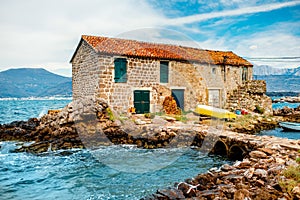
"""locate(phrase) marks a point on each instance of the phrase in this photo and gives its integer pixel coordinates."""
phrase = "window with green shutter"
(120, 70)
(244, 74)
(164, 71)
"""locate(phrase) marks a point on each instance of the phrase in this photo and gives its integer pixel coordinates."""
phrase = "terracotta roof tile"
(124, 47)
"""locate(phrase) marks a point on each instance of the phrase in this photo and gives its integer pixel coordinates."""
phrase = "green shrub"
(259, 109)
(292, 173)
(110, 114)
(186, 112)
(181, 118)
(149, 115)
(160, 113)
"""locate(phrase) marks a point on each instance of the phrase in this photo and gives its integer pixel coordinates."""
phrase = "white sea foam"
(43, 112)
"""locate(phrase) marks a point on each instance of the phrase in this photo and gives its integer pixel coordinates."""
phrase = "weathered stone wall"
(233, 77)
(250, 69)
(141, 75)
(255, 87)
(212, 79)
(85, 72)
(184, 75)
(250, 95)
(93, 75)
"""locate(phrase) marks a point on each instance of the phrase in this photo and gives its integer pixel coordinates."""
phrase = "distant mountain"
(265, 70)
(36, 82)
(62, 89)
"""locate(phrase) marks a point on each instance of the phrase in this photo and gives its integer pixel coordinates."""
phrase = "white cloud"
(228, 13)
(276, 41)
(215, 43)
(35, 31)
(238, 3)
(271, 44)
(253, 47)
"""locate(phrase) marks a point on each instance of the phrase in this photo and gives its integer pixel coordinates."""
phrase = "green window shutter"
(164, 71)
(245, 74)
(120, 70)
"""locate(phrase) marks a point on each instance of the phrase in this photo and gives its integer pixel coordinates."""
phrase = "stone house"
(130, 73)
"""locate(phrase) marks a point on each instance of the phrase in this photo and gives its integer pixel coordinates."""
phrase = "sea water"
(280, 105)
(279, 132)
(15, 109)
(78, 174)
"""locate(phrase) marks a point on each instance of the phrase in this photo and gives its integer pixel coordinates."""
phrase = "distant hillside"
(62, 89)
(27, 82)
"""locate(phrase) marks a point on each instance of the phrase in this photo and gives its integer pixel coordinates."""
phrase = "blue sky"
(43, 33)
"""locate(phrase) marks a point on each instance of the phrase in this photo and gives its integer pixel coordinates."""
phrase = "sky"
(45, 33)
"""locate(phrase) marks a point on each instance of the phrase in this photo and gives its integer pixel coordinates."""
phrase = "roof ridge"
(145, 42)
(131, 47)
(155, 43)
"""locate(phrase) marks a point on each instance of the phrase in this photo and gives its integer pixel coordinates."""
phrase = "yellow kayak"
(214, 112)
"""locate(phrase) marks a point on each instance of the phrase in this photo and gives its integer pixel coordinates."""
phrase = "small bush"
(288, 186)
(181, 118)
(110, 114)
(292, 173)
(186, 112)
(149, 115)
(259, 109)
(160, 113)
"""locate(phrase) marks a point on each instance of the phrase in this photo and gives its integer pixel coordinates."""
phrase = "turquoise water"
(281, 105)
(54, 175)
(77, 174)
(23, 109)
(278, 132)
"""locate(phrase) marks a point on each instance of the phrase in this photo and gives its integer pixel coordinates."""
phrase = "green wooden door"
(178, 95)
(142, 101)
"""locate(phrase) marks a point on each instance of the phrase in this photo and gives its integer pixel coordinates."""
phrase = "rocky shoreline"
(257, 175)
(289, 114)
(78, 126)
(287, 99)
(72, 127)
(253, 124)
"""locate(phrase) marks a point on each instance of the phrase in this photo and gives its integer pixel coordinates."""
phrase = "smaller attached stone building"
(129, 73)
